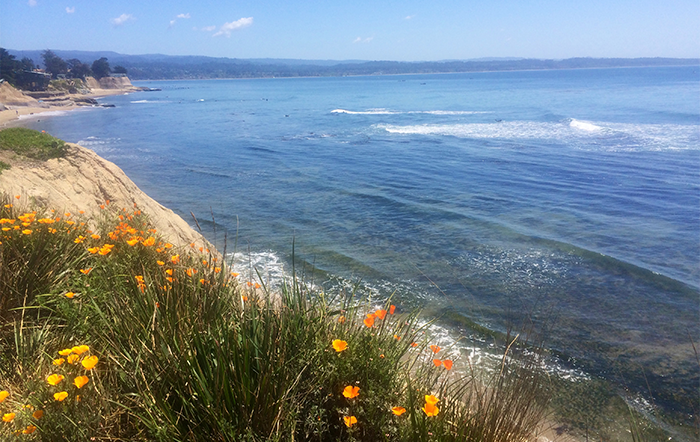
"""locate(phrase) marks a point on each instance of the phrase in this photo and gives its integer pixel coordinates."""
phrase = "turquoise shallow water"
(569, 198)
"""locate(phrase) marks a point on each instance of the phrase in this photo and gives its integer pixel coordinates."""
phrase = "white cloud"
(209, 28)
(408, 17)
(31, 2)
(173, 21)
(227, 28)
(70, 10)
(122, 19)
(363, 40)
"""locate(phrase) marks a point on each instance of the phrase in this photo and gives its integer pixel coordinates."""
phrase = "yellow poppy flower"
(8, 417)
(149, 241)
(72, 359)
(54, 379)
(69, 295)
(58, 361)
(26, 232)
(349, 420)
(175, 259)
(4, 395)
(339, 345)
(60, 396)
(430, 399)
(65, 352)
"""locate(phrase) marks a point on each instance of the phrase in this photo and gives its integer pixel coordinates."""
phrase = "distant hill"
(166, 67)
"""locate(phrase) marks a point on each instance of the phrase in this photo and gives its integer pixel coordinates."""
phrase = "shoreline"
(15, 112)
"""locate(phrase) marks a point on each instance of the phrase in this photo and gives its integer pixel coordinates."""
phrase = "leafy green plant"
(31, 143)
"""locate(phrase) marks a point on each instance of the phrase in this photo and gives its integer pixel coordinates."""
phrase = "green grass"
(31, 143)
(4, 166)
(191, 351)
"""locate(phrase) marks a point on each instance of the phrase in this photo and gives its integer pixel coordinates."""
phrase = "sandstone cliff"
(82, 180)
(122, 83)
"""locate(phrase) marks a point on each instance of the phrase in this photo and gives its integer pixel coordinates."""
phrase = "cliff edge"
(82, 180)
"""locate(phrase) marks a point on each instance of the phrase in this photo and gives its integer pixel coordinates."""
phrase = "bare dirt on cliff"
(82, 181)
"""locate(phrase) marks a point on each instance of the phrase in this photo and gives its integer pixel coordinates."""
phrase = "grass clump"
(31, 143)
(4, 166)
(115, 334)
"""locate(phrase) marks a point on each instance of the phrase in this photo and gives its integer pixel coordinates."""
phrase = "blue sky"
(406, 30)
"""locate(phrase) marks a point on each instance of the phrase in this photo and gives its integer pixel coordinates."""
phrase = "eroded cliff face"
(110, 83)
(82, 180)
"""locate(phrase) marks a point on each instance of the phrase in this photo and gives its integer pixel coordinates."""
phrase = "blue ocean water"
(568, 199)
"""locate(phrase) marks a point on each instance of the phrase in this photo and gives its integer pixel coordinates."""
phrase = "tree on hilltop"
(8, 66)
(100, 68)
(54, 64)
(119, 69)
(78, 69)
(27, 64)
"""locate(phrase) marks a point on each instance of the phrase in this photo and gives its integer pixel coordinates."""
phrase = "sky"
(401, 30)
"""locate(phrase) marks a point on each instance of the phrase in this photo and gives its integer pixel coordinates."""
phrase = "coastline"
(14, 112)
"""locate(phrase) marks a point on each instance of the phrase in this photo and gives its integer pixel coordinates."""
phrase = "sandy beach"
(17, 106)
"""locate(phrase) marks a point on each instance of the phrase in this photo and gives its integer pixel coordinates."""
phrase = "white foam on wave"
(392, 112)
(367, 112)
(42, 114)
(141, 101)
(583, 134)
(584, 125)
(267, 264)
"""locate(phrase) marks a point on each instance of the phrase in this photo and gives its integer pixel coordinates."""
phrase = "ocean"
(565, 201)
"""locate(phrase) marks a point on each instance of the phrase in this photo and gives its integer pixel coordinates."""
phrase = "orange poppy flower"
(435, 348)
(349, 420)
(58, 361)
(80, 381)
(149, 241)
(93, 250)
(80, 349)
(38, 414)
(65, 351)
(380, 313)
(72, 359)
(86, 271)
(341, 319)
(430, 399)
(160, 263)
(90, 362)
(4, 395)
(175, 259)
(447, 363)
(29, 430)
(430, 409)
(392, 308)
(397, 337)
(398, 411)
(60, 396)
(54, 379)
(369, 320)
(8, 417)
(190, 271)
(413, 344)
(437, 362)
(351, 392)
(339, 345)
(95, 236)
(69, 295)
(133, 241)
